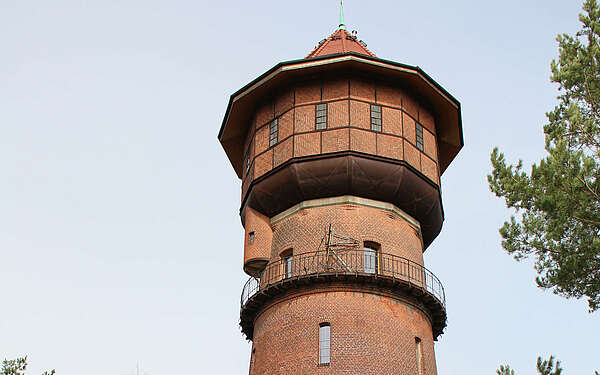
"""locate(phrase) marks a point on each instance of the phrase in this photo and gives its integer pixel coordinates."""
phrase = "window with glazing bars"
(370, 260)
(273, 132)
(376, 117)
(321, 116)
(419, 131)
(288, 262)
(370, 256)
(288, 266)
(248, 159)
(324, 343)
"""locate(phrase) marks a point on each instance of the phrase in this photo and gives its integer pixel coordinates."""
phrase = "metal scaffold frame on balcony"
(336, 241)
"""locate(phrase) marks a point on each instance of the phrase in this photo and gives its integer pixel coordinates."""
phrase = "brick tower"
(340, 156)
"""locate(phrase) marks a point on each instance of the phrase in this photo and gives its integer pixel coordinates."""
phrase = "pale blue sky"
(119, 231)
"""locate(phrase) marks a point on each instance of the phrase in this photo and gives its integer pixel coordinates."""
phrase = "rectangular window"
(252, 359)
(321, 116)
(288, 266)
(371, 256)
(376, 117)
(324, 344)
(287, 260)
(273, 132)
(248, 160)
(419, 352)
(370, 260)
(419, 131)
(251, 238)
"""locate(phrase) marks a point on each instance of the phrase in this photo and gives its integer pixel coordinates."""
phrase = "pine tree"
(557, 204)
(549, 366)
(505, 370)
(18, 367)
(14, 366)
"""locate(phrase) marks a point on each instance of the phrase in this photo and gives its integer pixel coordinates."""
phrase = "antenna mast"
(342, 25)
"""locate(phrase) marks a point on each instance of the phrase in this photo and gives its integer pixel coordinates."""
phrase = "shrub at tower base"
(558, 203)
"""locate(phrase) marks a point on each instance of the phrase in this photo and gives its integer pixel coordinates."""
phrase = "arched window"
(287, 259)
(371, 257)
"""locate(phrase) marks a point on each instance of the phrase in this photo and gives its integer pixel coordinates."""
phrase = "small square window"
(376, 118)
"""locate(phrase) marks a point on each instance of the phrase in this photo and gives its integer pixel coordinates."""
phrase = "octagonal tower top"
(342, 52)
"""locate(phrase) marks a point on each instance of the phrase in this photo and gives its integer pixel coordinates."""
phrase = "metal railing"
(362, 262)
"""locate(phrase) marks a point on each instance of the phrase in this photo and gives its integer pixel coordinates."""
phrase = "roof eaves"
(326, 57)
(281, 65)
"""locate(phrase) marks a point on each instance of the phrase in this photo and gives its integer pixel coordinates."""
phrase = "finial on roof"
(342, 25)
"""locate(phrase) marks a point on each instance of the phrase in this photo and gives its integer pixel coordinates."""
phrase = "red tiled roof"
(340, 42)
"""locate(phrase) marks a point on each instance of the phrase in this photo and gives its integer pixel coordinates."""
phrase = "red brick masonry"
(348, 126)
(370, 334)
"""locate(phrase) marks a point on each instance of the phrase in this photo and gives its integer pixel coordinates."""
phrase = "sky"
(120, 239)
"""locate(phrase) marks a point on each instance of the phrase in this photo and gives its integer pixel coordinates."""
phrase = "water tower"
(340, 156)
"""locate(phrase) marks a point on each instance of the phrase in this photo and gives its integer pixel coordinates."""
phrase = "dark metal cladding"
(350, 173)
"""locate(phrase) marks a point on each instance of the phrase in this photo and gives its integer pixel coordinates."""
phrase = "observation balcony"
(365, 268)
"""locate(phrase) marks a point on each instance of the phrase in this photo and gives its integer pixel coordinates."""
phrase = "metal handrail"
(344, 262)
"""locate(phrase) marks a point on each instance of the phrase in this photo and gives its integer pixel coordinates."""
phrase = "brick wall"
(260, 248)
(370, 334)
(304, 230)
(348, 107)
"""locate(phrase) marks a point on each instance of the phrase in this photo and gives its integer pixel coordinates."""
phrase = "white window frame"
(324, 344)
(369, 260)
